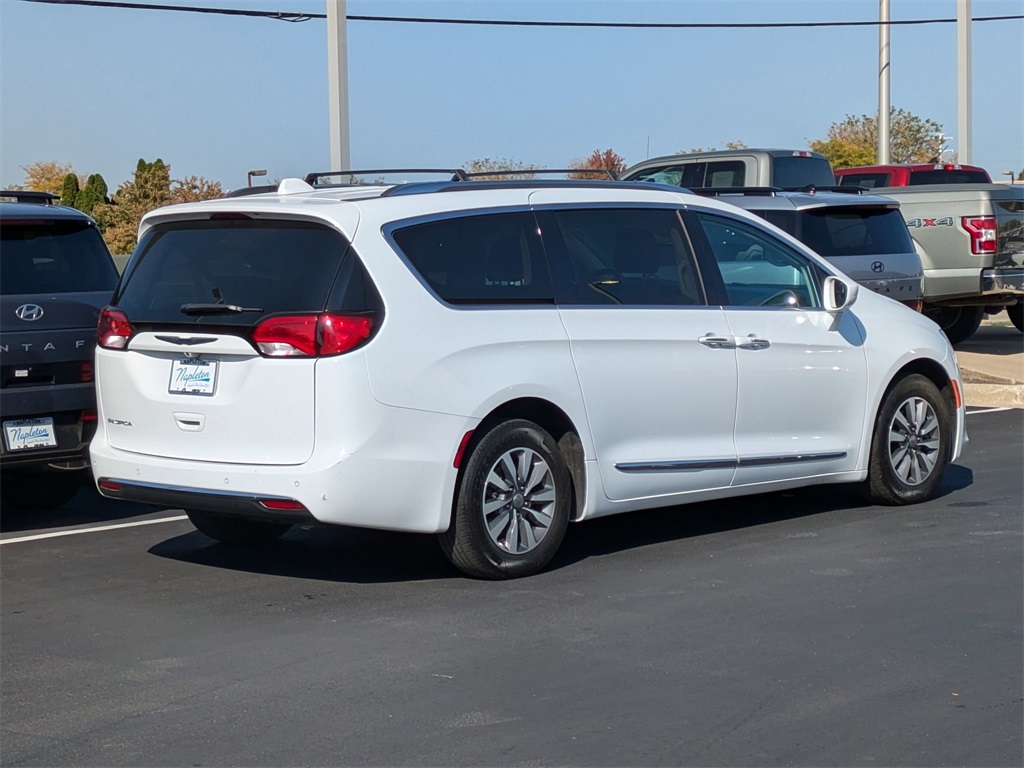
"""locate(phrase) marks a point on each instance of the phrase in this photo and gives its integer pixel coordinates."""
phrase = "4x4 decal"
(945, 221)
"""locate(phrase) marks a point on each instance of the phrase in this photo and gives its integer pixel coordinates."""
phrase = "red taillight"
(282, 504)
(113, 330)
(982, 230)
(311, 335)
(85, 371)
(109, 485)
(89, 415)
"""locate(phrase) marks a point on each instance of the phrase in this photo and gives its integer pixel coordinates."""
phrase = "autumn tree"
(608, 160)
(149, 188)
(193, 189)
(69, 191)
(501, 168)
(728, 145)
(854, 141)
(46, 176)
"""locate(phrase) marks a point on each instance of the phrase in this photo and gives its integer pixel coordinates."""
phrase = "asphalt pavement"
(799, 629)
(992, 364)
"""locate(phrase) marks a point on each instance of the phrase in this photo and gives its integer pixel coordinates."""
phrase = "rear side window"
(728, 173)
(954, 176)
(492, 258)
(795, 171)
(53, 257)
(634, 257)
(866, 180)
(264, 267)
(854, 231)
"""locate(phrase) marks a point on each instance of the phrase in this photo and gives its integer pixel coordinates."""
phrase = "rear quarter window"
(480, 259)
(53, 257)
(272, 266)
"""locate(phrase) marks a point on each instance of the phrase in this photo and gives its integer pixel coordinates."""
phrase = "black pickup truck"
(56, 274)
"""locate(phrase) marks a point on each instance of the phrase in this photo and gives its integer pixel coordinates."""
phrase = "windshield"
(41, 256)
(855, 231)
(792, 172)
(239, 269)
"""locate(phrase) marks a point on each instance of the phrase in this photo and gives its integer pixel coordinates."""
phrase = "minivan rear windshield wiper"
(216, 309)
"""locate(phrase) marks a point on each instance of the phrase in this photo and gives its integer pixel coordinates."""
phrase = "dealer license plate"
(26, 434)
(193, 377)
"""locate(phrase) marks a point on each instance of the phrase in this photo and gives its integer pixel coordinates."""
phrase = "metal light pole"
(884, 156)
(250, 174)
(337, 84)
(963, 81)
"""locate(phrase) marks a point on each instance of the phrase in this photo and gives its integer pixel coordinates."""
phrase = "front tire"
(236, 530)
(1016, 313)
(512, 505)
(910, 445)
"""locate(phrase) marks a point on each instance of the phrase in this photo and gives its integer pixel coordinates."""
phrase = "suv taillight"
(113, 330)
(982, 230)
(311, 335)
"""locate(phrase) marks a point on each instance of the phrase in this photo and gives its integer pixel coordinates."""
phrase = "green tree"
(854, 141)
(608, 160)
(69, 191)
(149, 188)
(501, 168)
(94, 192)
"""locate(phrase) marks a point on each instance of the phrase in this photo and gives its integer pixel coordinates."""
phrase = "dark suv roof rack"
(28, 196)
(314, 179)
(541, 171)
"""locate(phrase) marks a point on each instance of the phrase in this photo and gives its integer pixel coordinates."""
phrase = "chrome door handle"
(717, 342)
(752, 342)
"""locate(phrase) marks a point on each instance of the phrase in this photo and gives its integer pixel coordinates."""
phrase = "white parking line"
(94, 529)
(990, 410)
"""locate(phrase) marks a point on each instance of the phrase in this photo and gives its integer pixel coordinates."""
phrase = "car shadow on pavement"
(86, 507)
(363, 556)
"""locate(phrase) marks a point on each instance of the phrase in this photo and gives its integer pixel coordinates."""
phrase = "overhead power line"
(292, 16)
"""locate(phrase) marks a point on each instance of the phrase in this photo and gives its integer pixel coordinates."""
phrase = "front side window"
(757, 269)
(632, 257)
(494, 258)
(40, 256)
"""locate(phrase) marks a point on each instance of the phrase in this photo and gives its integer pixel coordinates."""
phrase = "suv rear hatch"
(211, 347)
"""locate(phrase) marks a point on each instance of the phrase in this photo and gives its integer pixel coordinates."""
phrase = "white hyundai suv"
(489, 361)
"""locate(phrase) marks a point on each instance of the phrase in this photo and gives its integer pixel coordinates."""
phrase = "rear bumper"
(235, 504)
(398, 477)
(995, 281)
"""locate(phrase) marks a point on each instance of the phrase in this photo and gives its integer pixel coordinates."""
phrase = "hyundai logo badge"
(29, 312)
(877, 266)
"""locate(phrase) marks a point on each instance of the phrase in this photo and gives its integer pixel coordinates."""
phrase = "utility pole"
(963, 81)
(337, 84)
(884, 108)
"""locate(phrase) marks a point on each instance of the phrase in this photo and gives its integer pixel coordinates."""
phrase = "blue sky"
(215, 96)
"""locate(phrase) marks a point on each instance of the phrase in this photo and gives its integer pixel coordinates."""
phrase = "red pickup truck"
(910, 175)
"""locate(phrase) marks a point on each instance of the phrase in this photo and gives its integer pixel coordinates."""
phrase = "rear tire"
(236, 530)
(39, 491)
(1016, 313)
(958, 323)
(910, 444)
(512, 505)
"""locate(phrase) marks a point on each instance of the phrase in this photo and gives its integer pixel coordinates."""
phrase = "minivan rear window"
(854, 231)
(40, 256)
(262, 266)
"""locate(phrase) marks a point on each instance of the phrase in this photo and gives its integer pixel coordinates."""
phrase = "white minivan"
(489, 361)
